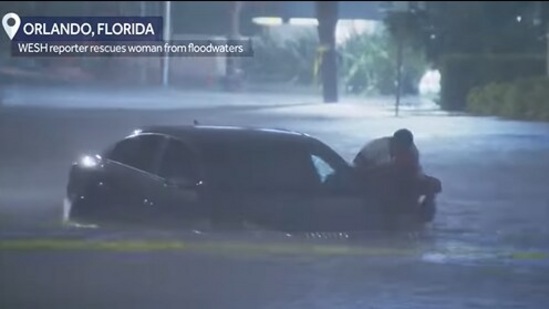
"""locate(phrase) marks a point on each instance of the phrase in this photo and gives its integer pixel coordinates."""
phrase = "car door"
(181, 178)
(131, 166)
(261, 183)
(287, 182)
(338, 203)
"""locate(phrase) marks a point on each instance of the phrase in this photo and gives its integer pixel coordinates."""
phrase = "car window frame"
(329, 155)
(211, 174)
(190, 146)
(340, 166)
(315, 155)
(156, 158)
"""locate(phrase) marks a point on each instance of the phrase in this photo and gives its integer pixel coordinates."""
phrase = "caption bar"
(206, 48)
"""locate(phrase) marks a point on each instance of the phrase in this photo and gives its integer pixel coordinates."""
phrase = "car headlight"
(89, 161)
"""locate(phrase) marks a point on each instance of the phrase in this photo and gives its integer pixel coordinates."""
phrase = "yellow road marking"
(238, 247)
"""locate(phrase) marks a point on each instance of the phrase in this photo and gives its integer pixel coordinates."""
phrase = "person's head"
(402, 140)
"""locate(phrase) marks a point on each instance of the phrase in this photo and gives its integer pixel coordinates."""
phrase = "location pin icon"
(11, 31)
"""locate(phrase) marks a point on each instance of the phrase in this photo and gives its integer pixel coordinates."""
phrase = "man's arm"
(415, 153)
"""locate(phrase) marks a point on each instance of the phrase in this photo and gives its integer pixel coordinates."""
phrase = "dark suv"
(224, 175)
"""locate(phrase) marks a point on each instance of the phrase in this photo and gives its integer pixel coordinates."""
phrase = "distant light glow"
(303, 21)
(267, 21)
(519, 18)
(430, 83)
(348, 28)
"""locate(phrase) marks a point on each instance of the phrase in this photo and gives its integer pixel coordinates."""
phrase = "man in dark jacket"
(391, 166)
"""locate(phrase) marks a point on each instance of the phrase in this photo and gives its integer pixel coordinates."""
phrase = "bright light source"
(433, 36)
(267, 21)
(430, 83)
(88, 161)
(519, 18)
(303, 21)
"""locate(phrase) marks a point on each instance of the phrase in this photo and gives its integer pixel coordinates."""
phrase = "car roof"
(203, 133)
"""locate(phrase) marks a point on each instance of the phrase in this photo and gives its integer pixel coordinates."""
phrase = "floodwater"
(488, 247)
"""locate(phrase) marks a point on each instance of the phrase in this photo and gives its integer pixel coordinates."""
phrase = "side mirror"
(181, 183)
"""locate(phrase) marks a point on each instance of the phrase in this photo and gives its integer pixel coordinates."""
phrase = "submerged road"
(489, 246)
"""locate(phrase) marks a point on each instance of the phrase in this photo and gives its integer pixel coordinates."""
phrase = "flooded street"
(488, 246)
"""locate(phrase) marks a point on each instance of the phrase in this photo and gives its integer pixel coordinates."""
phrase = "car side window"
(178, 161)
(139, 152)
(261, 165)
(323, 168)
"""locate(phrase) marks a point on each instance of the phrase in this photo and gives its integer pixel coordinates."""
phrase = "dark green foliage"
(461, 73)
(523, 99)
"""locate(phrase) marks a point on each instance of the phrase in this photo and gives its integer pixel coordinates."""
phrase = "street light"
(400, 9)
(167, 37)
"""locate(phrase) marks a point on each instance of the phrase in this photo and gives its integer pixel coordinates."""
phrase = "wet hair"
(403, 138)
